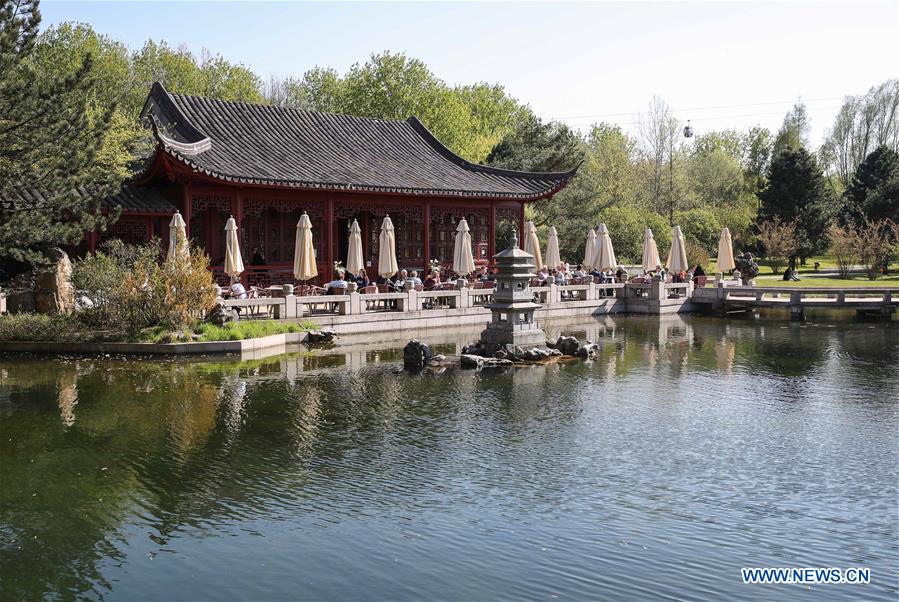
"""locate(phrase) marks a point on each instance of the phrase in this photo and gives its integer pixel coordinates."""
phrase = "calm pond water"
(689, 449)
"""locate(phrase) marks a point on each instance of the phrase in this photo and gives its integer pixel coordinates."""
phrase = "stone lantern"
(513, 306)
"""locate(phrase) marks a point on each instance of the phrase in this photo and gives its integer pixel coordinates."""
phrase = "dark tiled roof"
(260, 144)
(130, 199)
(143, 199)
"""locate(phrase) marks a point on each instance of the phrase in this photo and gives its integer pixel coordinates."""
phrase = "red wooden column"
(329, 237)
(426, 218)
(186, 199)
(521, 227)
(92, 237)
(491, 233)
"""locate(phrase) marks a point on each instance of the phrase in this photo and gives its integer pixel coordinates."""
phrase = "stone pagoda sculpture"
(513, 304)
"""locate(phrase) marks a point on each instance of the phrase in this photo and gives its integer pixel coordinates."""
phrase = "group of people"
(401, 280)
(689, 275)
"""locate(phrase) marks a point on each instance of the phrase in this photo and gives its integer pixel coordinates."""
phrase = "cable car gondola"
(688, 130)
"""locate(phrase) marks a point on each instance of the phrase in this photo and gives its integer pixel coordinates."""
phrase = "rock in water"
(476, 361)
(53, 290)
(568, 345)
(321, 336)
(416, 355)
(589, 350)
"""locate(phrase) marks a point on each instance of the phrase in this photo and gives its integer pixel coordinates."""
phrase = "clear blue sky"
(722, 64)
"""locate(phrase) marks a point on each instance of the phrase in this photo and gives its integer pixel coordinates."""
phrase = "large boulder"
(568, 345)
(20, 294)
(221, 315)
(416, 355)
(53, 290)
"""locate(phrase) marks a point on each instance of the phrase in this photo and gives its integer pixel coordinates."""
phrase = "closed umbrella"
(589, 249)
(354, 252)
(177, 238)
(532, 244)
(304, 267)
(677, 257)
(233, 260)
(604, 257)
(463, 262)
(387, 265)
(552, 249)
(650, 252)
(725, 252)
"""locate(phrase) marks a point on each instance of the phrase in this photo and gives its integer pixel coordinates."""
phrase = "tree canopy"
(51, 135)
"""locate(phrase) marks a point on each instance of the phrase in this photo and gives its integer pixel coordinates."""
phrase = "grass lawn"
(812, 279)
(823, 281)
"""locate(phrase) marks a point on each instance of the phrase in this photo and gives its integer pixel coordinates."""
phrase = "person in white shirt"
(337, 283)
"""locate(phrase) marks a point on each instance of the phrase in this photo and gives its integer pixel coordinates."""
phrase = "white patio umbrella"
(463, 262)
(304, 267)
(177, 238)
(552, 249)
(387, 265)
(604, 257)
(233, 260)
(354, 252)
(589, 249)
(677, 257)
(650, 252)
(532, 243)
(725, 252)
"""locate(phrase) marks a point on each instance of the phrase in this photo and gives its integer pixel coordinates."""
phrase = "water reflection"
(693, 443)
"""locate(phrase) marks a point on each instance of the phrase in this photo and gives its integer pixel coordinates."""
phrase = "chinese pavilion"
(265, 165)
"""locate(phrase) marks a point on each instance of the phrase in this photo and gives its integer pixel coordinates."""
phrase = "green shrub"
(131, 290)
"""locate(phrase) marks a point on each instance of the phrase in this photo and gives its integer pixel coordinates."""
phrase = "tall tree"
(872, 192)
(796, 191)
(794, 132)
(49, 142)
(659, 135)
(863, 123)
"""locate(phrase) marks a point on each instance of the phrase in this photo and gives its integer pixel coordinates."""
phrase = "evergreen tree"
(50, 184)
(872, 193)
(796, 190)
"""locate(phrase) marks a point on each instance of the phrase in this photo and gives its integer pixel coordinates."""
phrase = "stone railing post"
(464, 297)
(290, 307)
(657, 290)
(414, 303)
(553, 297)
(621, 293)
(356, 304)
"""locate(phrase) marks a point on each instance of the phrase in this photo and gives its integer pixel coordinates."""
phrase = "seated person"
(483, 274)
(558, 277)
(237, 290)
(432, 280)
(621, 274)
(414, 279)
(400, 280)
(698, 271)
(361, 279)
(337, 286)
(579, 271)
